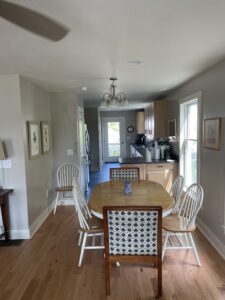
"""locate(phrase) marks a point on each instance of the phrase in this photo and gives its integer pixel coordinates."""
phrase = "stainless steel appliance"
(87, 156)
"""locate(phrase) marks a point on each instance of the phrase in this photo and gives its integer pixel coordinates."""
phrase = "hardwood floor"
(46, 268)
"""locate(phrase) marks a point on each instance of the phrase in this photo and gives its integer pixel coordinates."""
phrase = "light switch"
(6, 164)
(69, 152)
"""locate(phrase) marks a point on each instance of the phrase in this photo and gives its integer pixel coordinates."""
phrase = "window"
(189, 141)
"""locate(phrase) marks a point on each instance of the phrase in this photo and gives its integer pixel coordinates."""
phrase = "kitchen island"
(161, 171)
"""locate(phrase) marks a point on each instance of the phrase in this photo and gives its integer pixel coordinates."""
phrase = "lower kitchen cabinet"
(162, 173)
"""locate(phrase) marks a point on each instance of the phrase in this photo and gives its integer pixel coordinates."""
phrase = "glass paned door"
(113, 139)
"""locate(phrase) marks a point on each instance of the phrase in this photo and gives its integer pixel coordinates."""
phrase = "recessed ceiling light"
(84, 88)
(134, 62)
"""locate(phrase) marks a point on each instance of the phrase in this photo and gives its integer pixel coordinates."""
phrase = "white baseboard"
(26, 234)
(211, 237)
(39, 221)
(66, 202)
(17, 234)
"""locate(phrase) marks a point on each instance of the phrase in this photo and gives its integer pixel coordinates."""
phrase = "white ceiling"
(174, 39)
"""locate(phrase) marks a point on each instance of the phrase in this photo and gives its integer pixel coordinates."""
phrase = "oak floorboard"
(45, 267)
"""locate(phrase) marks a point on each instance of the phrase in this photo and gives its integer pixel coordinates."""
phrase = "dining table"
(143, 193)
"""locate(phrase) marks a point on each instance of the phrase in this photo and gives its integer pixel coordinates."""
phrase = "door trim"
(123, 146)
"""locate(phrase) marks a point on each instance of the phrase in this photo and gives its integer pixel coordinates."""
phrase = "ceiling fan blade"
(32, 21)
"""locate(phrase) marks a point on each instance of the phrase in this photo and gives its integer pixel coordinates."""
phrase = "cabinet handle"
(160, 166)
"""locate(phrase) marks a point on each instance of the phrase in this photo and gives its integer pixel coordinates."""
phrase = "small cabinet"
(156, 119)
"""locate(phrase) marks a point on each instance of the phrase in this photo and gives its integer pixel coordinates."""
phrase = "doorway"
(113, 137)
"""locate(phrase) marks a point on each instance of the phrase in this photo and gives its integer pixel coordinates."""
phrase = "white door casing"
(81, 149)
(119, 146)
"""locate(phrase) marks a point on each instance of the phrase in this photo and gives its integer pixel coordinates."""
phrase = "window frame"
(183, 131)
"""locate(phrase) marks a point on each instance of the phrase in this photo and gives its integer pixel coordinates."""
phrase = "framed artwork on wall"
(172, 127)
(212, 133)
(45, 137)
(34, 139)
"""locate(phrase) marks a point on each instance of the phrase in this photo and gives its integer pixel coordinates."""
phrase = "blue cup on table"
(127, 188)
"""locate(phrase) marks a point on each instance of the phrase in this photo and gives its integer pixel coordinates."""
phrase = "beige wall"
(64, 108)
(11, 133)
(22, 101)
(35, 103)
(212, 168)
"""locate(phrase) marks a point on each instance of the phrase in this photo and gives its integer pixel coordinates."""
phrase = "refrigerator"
(87, 157)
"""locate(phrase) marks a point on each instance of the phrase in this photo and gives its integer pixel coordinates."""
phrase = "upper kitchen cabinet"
(156, 119)
(140, 122)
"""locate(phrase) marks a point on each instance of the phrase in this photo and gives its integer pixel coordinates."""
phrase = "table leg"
(5, 216)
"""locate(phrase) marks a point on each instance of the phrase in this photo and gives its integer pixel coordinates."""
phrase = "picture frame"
(45, 137)
(212, 133)
(172, 127)
(34, 139)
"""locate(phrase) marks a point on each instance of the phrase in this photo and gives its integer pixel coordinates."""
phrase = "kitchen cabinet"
(140, 122)
(163, 173)
(156, 119)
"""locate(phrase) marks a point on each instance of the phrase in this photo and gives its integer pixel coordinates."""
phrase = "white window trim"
(194, 96)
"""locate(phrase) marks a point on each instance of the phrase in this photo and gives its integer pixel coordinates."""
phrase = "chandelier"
(111, 100)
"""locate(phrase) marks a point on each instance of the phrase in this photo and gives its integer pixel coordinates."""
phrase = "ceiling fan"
(32, 21)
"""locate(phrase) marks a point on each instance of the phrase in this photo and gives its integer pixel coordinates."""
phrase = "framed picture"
(45, 137)
(34, 140)
(212, 133)
(172, 127)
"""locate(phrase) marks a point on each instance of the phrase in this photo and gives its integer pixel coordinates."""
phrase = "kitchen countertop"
(145, 159)
(142, 160)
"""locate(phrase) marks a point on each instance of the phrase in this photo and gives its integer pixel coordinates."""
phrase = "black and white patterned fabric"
(124, 174)
(132, 232)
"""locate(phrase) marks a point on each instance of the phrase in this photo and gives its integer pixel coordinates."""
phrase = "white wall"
(22, 101)
(212, 168)
(64, 108)
(11, 132)
(35, 103)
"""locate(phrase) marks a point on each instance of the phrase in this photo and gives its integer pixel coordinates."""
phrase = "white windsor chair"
(183, 224)
(89, 225)
(65, 175)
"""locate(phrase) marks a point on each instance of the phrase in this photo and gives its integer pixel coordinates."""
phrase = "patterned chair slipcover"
(133, 233)
(124, 173)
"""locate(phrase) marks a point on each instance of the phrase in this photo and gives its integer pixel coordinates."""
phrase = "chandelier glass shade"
(111, 100)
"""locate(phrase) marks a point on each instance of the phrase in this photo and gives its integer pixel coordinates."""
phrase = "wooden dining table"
(144, 193)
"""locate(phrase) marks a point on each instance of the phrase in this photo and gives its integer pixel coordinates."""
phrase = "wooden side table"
(4, 202)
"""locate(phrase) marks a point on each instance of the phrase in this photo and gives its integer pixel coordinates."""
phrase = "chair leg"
(165, 243)
(82, 249)
(56, 202)
(80, 238)
(194, 248)
(159, 265)
(107, 275)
